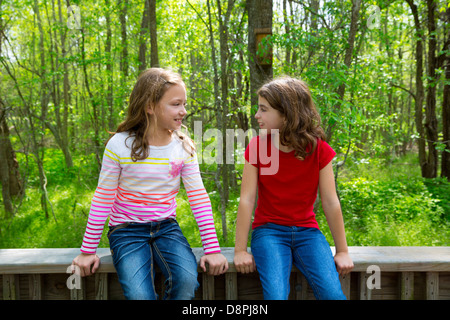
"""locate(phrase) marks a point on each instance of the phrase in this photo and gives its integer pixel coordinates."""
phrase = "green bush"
(382, 205)
(393, 209)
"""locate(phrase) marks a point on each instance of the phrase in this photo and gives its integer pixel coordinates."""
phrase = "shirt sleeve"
(103, 199)
(200, 204)
(326, 153)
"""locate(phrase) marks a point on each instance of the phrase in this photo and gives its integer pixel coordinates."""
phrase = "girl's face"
(268, 117)
(171, 108)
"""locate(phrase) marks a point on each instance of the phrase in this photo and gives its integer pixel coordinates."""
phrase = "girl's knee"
(182, 286)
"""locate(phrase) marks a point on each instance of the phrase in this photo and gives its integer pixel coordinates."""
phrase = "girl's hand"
(85, 261)
(244, 262)
(344, 263)
(217, 263)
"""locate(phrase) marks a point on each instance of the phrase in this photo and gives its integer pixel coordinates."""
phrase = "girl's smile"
(169, 113)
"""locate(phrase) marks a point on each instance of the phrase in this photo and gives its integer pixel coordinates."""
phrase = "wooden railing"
(380, 273)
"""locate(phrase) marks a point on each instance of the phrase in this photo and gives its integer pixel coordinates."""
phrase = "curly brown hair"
(292, 98)
(150, 87)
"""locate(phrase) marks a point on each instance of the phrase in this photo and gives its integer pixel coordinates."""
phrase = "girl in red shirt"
(285, 166)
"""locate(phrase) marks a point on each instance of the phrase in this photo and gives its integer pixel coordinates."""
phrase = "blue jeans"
(136, 247)
(276, 247)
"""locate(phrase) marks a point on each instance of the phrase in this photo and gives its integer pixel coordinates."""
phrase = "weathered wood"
(35, 287)
(79, 294)
(364, 292)
(407, 285)
(101, 286)
(231, 288)
(406, 273)
(302, 287)
(345, 285)
(432, 285)
(399, 259)
(9, 287)
(208, 286)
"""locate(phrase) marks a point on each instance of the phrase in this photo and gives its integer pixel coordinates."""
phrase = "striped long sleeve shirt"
(145, 190)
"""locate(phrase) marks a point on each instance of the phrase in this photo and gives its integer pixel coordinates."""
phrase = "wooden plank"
(45, 261)
(399, 259)
(432, 285)
(35, 287)
(101, 286)
(301, 287)
(231, 286)
(79, 294)
(345, 284)
(407, 285)
(9, 287)
(364, 292)
(208, 286)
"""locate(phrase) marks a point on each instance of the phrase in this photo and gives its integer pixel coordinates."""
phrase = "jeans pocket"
(257, 231)
(117, 227)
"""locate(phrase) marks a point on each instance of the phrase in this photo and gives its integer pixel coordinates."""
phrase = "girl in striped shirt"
(139, 181)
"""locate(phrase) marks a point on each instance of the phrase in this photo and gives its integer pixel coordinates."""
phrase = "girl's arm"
(333, 213)
(244, 261)
(88, 262)
(202, 210)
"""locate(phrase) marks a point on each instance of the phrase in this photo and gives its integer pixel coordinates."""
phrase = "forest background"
(379, 72)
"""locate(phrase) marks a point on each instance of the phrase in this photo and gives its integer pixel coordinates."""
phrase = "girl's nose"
(183, 111)
(257, 115)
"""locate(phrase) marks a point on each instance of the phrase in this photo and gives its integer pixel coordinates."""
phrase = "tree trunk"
(419, 87)
(109, 69)
(260, 13)
(223, 110)
(220, 121)
(93, 100)
(145, 26)
(356, 6)
(430, 110)
(445, 161)
(9, 167)
(154, 60)
(44, 104)
(123, 5)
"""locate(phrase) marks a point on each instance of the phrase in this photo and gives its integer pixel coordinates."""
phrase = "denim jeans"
(276, 247)
(136, 247)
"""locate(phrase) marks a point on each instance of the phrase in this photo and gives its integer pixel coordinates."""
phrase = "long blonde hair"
(150, 87)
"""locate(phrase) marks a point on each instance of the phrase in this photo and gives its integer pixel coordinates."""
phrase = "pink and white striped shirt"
(145, 190)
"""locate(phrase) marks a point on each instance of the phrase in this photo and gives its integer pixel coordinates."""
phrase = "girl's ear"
(150, 110)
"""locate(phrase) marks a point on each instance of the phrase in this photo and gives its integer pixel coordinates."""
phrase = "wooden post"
(9, 287)
(364, 292)
(407, 286)
(79, 294)
(345, 284)
(301, 289)
(231, 289)
(432, 285)
(35, 282)
(101, 286)
(208, 286)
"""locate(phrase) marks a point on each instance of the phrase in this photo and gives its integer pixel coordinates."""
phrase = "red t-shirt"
(287, 191)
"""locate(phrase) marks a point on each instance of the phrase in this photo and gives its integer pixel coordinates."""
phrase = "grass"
(383, 205)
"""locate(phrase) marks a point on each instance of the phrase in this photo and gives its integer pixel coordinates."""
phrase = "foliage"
(382, 205)
(384, 201)
(392, 206)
